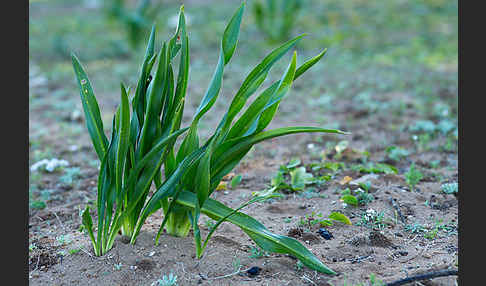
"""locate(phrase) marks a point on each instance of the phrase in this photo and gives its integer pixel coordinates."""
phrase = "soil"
(354, 251)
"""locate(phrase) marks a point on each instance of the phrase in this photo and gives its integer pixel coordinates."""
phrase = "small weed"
(450, 188)
(74, 251)
(235, 181)
(236, 264)
(372, 219)
(37, 205)
(63, 239)
(299, 265)
(374, 168)
(413, 176)
(118, 266)
(356, 197)
(170, 280)
(415, 228)
(310, 220)
(257, 252)
(70, 174)
(396, 153)
(32, 247)
(209, 224)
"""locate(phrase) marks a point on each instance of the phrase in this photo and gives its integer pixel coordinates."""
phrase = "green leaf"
(258, 75)
(91, 110)
(340, 217)
(350, 200)
(259, 233)
(231, 34)
(227, 155)
(299, 178)
(88, 224)
(293, 163)
(235, 181)
(247, 123)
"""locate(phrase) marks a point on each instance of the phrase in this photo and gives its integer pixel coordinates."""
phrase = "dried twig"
(425, 276)
(397, 208)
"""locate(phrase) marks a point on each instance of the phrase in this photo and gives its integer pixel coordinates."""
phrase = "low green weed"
(396, 153)
(318, 218)
(372, 219)
(450, 188)
(413, 176)
(276, 18)
(135, 21)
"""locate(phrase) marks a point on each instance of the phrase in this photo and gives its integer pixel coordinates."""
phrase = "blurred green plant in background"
(137, 21)
(276, 18)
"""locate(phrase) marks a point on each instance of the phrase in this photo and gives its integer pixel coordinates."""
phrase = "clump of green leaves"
(257, 252)
(372, 219)
(450, 188)
(356, 197)
(276, 18)
(70, 174)
(318, 218)
(294, 177)
(374, 168)
(413, 176)
(396, 153)
(142, 146)
(169, 280)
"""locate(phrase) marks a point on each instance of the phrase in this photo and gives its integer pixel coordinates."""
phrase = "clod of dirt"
(42, 261)
(254, 271)
(378, 239)
(325, 233)
(310, 237)
(358, 241)
(145, 264)
(295, 232)
(125, 239)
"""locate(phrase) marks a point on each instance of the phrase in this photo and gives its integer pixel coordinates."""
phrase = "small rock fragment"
(254, 271)
(325, 233)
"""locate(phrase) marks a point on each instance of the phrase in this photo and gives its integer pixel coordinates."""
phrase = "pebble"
(325, 233)
(254, 271)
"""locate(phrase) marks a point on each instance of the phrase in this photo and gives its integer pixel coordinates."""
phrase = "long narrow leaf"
(91, 109)
(257, 231)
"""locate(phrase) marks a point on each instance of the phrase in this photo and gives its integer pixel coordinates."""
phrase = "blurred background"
(389, 76)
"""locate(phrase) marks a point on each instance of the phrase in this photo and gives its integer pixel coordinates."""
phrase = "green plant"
(450, 188)
(36, 204)
(396, 153)
(74, 251)
(135, 21)
(372, 219)
(275, 18)
(70, 174)
(415, 228)
(235, 181)
(143, 142)
(257, 252)
(413, 176)
(170, 280)
(299, 265)
(313, 219)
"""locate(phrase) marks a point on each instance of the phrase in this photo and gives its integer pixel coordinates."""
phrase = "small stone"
(403, 253)
(254, 271)
(325, 233)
